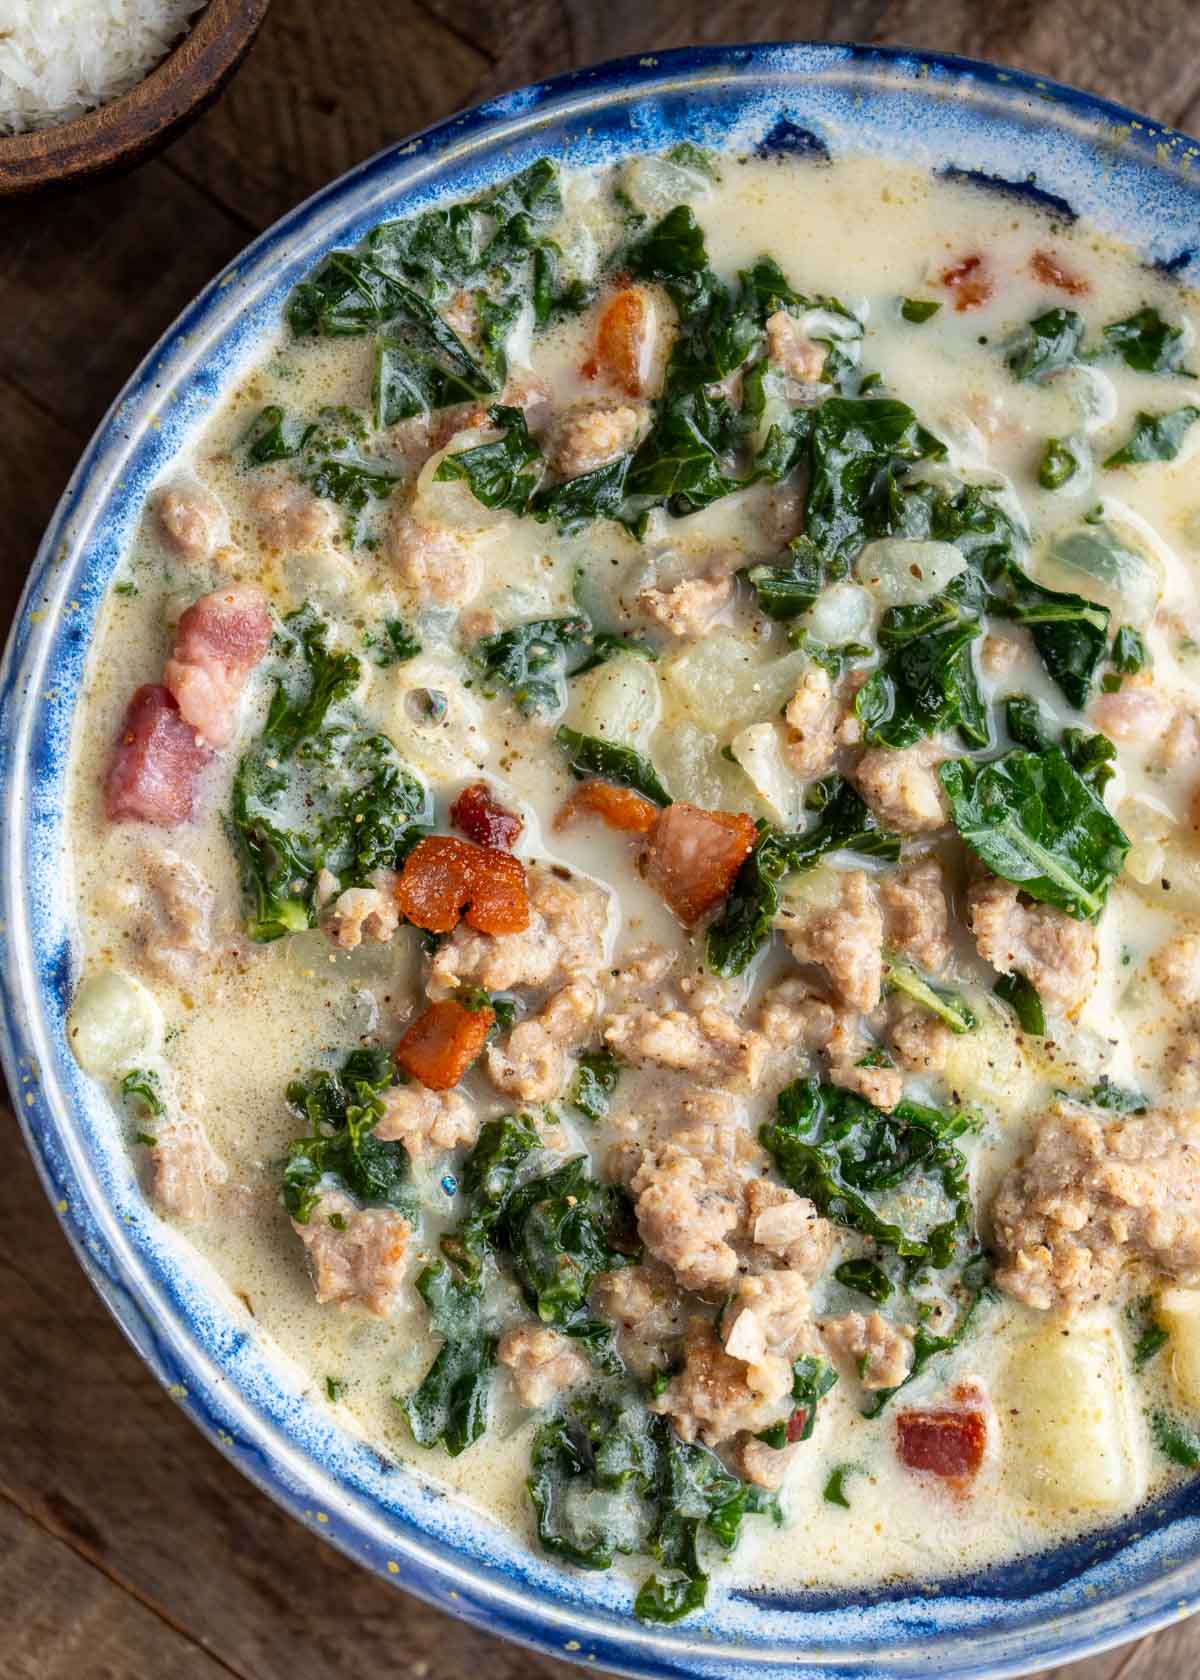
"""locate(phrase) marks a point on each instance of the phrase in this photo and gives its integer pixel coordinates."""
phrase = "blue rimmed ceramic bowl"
(1078, 155)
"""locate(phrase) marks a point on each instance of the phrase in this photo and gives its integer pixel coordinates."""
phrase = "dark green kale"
(560, 1231)
(948, 1005)
(844, 823)
(1033, 820)
(1147, 343)
(599, 494)
(596, 1075)
(918, 310)
(450, 1405)
(145, 1088)
(681, 463)
(1149, 1336)
(1093, 756)
(1117, 1099)
(421, 364)
(848, 1156)
(927, 682)
(866, 1277)
(502, 474)
(493, 250)
(1129, 653)
(1155, 437)
(604, 645)
(588, 755)
(859, 450)
(395, 646)
(530, 661)
(317, 790)
(1069, 631)
(490, 1171)
(812, 1380)
(785, 589)
(1176, 1442)
(271, 436)
(1058, 465)
(1022, 998)
(834, 1491)
(974, 1288)
(341, 1109)
(1047, 345)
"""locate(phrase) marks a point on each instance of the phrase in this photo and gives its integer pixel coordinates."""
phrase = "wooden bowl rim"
(191, 73)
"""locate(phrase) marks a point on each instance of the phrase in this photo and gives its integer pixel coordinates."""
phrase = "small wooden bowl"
(127, 131)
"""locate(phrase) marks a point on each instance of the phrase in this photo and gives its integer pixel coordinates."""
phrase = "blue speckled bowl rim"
(1074, 152)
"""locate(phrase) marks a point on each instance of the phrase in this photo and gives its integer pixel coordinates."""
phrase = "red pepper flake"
(444, 878)
(970, 281)
(944, 1443)
(442, 1042)
(1051, 272)
(619, 807)
(693, 855)
(796, 1424)
(481, 817)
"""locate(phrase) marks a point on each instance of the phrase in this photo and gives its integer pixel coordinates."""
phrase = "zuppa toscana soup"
(635, 850)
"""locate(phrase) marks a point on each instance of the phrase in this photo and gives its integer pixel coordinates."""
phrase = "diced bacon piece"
(442, 1042)
(619, 807)
(482, 818)
(945, 1443)
(693, 855)
(153, 774)
(624, 342)
(1051, 272)
(220, 639)
(444, 878)
(970, 281)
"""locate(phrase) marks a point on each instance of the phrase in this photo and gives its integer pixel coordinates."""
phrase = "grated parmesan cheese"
(60, 58)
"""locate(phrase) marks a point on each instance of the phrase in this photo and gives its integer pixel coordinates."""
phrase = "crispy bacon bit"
(619, 807)
(624, 340)
(1050, 271)
(445, 878)
(220, 639)
(482, 818)
(970, 282)
(157, 759)
(442, 1042)
(945, 1443)
(693, 855)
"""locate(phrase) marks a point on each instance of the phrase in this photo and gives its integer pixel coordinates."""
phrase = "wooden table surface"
(130, 1550)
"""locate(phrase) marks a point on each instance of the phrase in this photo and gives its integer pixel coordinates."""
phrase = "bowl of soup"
(602, 944)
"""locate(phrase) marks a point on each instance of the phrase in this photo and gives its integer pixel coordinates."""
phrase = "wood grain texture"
(129, 1549)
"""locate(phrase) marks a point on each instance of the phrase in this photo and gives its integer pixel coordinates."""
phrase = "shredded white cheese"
(60, 58)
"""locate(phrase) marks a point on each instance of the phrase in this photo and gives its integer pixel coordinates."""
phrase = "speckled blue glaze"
(1078, 155)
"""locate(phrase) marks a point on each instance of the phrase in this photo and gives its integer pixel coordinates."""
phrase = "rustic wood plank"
(89, 281)
(109, 1467)
(1145, 56)
(34, 468)
(64, 1620)
(285, 127)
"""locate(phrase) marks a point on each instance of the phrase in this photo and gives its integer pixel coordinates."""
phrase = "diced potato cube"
(1178, 1311)
(691, 764)
(723, 682)
(759, 751)
(114, 1024)
(988, 1065)
(618, 701)
(434, 723)
(1068, 1418)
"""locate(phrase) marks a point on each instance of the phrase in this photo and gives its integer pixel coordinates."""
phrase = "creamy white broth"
(244, 1019)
